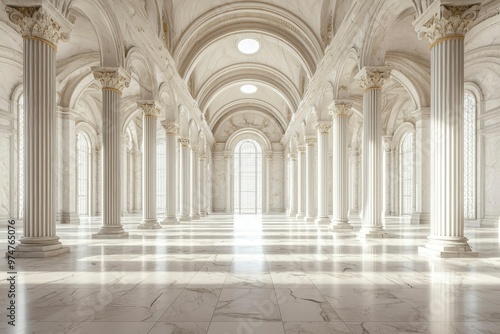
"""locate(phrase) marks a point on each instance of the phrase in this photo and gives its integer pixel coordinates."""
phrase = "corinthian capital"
(373, 77)
(184, 142)
(341, 108)
(150, 108)
(323, 127)
(113, 78)
(172, 128)
(443, 20)
(42, 22)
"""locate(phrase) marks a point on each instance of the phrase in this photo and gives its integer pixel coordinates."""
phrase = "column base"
(39, 247)
(194, 216)
(110, 232)
(292, 214)
(322, 220)
(149, 224)
(420, 218)
(203, 214)
(309, 219)
(184, 218)
(356, 214)
(300, 215)
(172, 220)
(447, 247)
(372, 232)
(340, 225)
(68, 218)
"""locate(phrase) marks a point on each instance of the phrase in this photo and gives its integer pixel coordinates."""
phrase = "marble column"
(124, 162)
(67, 171)
(446, 117)
(387, 147)
(292, 190)
(354, 186)
(136, 180)
(184, 170)
(41, 29)
(202, 195)
(422, 167)
(171, 133)
(195, 185)
(323, 128)
(228, 157)
(269, 174)
(341, 112)
(371, 79)
(113, 80)
(310, 158)
(150, 113)
(95, 177)
(301, 182)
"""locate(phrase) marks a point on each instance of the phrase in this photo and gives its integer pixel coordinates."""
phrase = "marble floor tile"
(247, 305)
(193, 304)
(381, 327)
(180, 328)
(299, 304)
(246, 327)
(337, 327)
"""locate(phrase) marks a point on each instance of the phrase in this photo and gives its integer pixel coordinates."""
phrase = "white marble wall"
(218, 182)
(492, 177)
(5, 179)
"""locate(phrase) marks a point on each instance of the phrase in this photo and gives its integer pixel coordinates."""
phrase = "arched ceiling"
(205, 35)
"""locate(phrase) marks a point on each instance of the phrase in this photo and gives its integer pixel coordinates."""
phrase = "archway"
(247, 177)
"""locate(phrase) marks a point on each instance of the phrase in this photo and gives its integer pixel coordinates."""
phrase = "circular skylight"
(248, 46)
(248, 89)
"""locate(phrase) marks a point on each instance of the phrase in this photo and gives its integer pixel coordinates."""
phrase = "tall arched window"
(247, 177)
(20, 136)
(82, 159)
(407, 152)
(469, 156)
(161, 181)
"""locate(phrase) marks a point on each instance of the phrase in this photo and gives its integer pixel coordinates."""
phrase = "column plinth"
(41, 29)
(113, 81)
(185, 181)
(301, 182)
(323, 128)
(340, 219)
(150, 113)
(445, 26)
(371, 79)
(171, 133)
(310, 143)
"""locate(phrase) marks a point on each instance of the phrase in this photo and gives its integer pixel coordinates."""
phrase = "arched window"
(247, 177)
(20, 136)
(469, 156)
(161, 181)
(407, 152)
(82, 171)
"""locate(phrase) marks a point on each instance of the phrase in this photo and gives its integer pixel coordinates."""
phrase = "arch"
(90, 132)
(138, 63)
(169, 110)
(248, 133)
(83, 169)
(325, 99)
(400, 132)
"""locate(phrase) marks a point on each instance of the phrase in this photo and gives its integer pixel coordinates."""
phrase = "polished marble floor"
(254, 275)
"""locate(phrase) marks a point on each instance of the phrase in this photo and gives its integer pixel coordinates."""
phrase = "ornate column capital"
(292, 156)
(184, 141)
(171, 128)
(268, 154)
(43, 22)
(150, 108)
(202, 155)
(373, 77)
(194, 149)
(112, 78)
(323, 127)
(311, 141)
(340, 108)
(443, 20)
(227, 155)
(301, 149)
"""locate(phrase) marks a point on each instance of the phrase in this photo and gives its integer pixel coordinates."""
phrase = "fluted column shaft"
(310, 144)
(301, 182)
(387, 175)
(150, 113)
(228, 157)
(203, 194)
(447, 96)
(123, 162)
(195, 184)
(371, 79)
(269, 174)
(422, 167)
(113, 81)
(340, 114)
(40, 34)
(171, 132)
(292, 190)
(184, 169)
(354, 187)
(323, 129)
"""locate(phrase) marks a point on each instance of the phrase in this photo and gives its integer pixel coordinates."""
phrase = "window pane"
(21, 155)
(247, 177)
(469, 156)
(407, 172)
(82, 165)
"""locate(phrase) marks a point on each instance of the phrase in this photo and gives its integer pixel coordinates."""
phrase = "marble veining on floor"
(255, 275)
